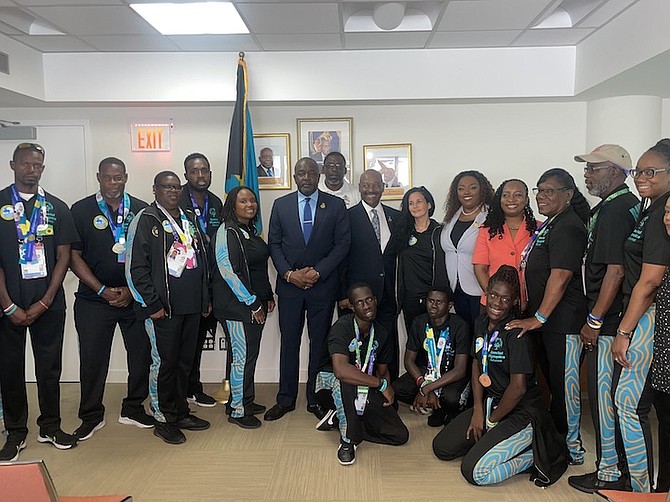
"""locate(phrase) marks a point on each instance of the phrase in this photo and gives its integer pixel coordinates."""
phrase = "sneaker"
(329, 422)
(13, 446)
(169, 433)
(141, 420)
(59, 439)
(202, 399)
(246, 422)
(346, 453)
(87, 429)
(317, 410)
(589, 483)
(192, 423)
(256, 409)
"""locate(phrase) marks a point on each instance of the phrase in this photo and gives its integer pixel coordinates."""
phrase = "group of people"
(488, 295)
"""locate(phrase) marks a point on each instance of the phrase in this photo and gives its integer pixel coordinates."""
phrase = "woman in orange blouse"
(505, 233)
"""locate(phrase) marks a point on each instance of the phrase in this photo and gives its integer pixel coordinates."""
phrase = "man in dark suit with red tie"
(309, 237)
(371, 259)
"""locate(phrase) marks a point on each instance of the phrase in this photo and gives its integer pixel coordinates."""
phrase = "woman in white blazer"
(465, 211)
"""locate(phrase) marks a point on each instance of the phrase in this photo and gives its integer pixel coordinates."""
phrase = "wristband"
(11, 307)
(43, 304)
(594, 322)
(102, 288)
(540, 317)
(490, 425)
(383, 385)
(419, 380)
(625, 334)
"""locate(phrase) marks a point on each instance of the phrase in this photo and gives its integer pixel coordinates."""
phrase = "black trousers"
(467, 307)
(96, 323)
(662, 405)
(172, 347)
(46, 337)
(206, 325)
(450, 399)
(412, 307)
(291, 322)
(244, 343)
(387, 317)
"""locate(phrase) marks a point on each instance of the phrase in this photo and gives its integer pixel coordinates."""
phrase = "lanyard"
(594, 217)
(184, 236)
(369, 356)
(543, 229)
(26, 231)
(201, 215)
(116, 225)
(486, 348)
(435, 358)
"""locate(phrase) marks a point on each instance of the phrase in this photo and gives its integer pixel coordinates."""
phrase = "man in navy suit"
(309, 237)
(371, 257)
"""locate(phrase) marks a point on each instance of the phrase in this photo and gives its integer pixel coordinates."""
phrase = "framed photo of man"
(273, 164)
(318, 137)
(394, 162)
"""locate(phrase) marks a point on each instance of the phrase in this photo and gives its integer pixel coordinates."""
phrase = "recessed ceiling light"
(199, 18)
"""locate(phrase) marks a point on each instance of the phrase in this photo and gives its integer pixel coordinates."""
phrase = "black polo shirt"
(459, 334)
(648, 243)
(60, 231)
(214, 216)
(342, 336)
(96, 241)
(615, 222)
(508, 356)
(561, 246)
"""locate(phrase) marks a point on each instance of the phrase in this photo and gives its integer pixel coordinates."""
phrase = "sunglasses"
(30, 146)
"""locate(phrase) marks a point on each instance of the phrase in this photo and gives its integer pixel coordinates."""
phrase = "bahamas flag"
(241, 167)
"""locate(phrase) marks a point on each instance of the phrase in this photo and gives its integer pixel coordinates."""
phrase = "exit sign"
(150, 137)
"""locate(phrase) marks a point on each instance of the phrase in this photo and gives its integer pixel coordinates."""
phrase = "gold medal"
(118, 248)
(485, 380)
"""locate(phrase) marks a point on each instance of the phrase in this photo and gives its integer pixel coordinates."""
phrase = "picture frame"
(394, 161)
(329, 134)
(280, 166)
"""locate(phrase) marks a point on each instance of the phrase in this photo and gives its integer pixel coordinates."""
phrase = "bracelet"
(102, 288)
(288, 275)
(383, 385)
(625, 334)
(11, 310)
(490, 425)
(594, 322)
(419, 380)
(257, 310)
(11, 307)
(540, 317)
(43, 304)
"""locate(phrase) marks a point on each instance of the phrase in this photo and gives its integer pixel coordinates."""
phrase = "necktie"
(376, 226)
(270, 173)
(307, 220)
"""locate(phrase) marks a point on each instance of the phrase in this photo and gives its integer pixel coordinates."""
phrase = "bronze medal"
(118, 248)
(485, 380)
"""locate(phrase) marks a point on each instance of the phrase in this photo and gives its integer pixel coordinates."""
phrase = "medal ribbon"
(182, 235)
(485, 351)
(201, 215)
(26, 231)
(594, 217)
(369, 357)
(435, 358)
(116, 226)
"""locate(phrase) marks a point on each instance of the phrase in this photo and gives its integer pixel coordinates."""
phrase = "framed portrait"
(274, 161)
(318, 137)
(394, 162)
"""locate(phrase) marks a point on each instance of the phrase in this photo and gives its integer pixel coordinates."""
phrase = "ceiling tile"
(553, 36)
(490, 14)
(605, 13)
(213, 43)
(326, 41)
(131, 43)
(87, 20)
(291, 18)
(446, 39)
(413, 40)
(54, 43)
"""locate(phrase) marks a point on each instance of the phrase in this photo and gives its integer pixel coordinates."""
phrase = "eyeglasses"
(170, 188)
(505, 299)
(647, 174)
(592, 169)
(549, 192)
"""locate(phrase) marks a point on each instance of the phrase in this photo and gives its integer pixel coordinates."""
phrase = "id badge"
(361, 399)
(37, 268)
(191, 258)
(176, 259)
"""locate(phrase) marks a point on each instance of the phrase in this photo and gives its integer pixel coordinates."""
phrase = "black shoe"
(317, 410)
(87, 429)
(141, 420)
(246, 422)
(202, 399)
(169, 433)
(13, 446)
(257, 409)
(589, 483)
(276, 412)
(59, 439)
(192, 423)
(346, 453)
(437, 418)
(329, 421)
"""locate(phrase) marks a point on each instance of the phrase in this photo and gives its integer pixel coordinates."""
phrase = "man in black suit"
(371, 259)
(309, 237)
(266, 168)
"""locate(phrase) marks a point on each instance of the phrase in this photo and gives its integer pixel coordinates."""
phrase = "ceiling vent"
(4, 63)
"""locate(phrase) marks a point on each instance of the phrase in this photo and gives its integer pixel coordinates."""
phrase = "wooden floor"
(283, 460)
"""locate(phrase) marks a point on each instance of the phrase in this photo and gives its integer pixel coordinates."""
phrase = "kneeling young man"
(436, 359)
(358, 378)
(509, 430)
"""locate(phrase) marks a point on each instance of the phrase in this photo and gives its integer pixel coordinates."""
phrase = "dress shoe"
(276, 412)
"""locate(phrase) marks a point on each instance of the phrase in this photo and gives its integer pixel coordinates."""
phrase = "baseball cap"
(608, 153)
